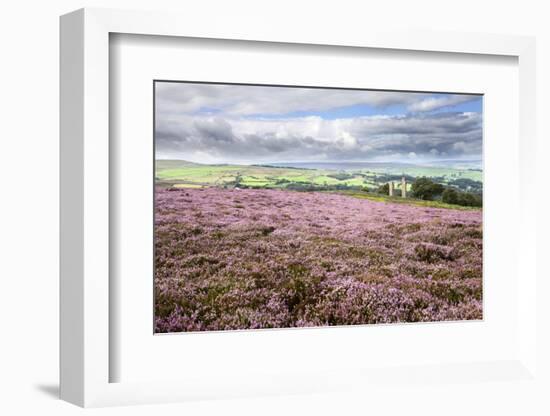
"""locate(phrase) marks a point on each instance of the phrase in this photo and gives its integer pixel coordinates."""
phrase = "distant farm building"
(391, 188)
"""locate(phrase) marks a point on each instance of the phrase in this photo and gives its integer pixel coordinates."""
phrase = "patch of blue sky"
(363, 110)
(204, 111)
(473, 106)
(353, 111)
(357, 110)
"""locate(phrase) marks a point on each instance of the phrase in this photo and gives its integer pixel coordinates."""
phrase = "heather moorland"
(271, 258)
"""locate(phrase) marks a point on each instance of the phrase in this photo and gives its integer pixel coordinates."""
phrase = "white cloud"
(436, 103)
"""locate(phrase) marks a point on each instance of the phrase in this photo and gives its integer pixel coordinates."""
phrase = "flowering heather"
(237, 259)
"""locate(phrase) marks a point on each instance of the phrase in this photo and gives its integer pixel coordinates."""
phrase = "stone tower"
(390, 184)
(403, 187)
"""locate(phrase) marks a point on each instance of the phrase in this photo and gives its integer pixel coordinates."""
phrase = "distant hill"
(174, 164)
(456, 164)
(377, 166)
(340, 165)
(349, 166)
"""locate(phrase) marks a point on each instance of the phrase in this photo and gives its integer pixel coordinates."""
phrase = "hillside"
(310, 176)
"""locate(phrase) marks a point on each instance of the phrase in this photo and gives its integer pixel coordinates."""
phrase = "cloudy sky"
(212, 123)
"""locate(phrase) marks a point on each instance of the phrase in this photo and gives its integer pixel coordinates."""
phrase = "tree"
(384, 189)
(456, 197)
(468, 199)
(450, 196)
(426, 189)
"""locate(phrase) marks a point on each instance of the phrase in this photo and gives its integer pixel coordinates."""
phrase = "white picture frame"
(85, 355)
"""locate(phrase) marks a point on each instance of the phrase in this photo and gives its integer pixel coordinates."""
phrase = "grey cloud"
(188, 98)
(366, 138)
(426, 135)
(216, 129)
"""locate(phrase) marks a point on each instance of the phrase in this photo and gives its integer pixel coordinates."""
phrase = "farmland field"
(271, 258)
(192, 175)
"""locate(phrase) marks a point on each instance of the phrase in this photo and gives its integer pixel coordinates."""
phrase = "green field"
(183, 174)
(408, 201)
(170, 172)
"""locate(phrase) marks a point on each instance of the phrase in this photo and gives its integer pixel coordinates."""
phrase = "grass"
(188, 185)
(407, 201)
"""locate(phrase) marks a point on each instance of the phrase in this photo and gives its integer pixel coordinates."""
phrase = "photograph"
(281, 206)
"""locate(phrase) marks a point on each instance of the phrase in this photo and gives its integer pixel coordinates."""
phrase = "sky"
(244, 124)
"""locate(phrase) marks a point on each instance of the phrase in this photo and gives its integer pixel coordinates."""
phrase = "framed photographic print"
(280, 207)
(282, 213)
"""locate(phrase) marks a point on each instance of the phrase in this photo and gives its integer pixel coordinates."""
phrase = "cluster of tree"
(424, 188)
(384, 189)
(466, 184)
(299, 186)
(467, 199)
(341, 176)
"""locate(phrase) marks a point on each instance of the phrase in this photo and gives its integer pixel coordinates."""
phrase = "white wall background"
(29, 181)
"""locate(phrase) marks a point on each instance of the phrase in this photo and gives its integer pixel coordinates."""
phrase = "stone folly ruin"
(403, 188)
